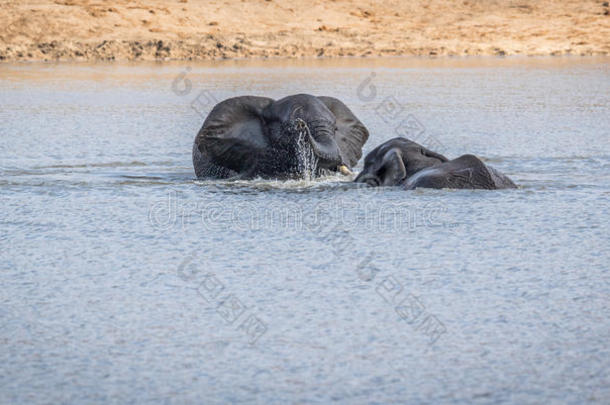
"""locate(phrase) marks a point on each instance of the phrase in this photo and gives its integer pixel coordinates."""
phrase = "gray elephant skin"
(294, 137)
(402, 162)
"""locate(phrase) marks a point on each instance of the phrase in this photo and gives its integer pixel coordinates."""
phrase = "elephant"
(295, 137)
(402, 162)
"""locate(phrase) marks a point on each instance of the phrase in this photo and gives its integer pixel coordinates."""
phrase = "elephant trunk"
(322, 143)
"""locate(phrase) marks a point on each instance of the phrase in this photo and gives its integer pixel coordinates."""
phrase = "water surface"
(126, 280)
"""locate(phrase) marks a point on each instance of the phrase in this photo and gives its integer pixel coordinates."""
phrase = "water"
(124, 279)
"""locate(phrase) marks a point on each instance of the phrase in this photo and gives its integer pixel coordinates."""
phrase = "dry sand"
(198, 29)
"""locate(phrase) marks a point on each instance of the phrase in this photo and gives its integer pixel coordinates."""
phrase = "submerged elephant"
(296, 136)
(401, 162)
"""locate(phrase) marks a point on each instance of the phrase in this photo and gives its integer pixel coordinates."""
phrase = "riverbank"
(83, 30)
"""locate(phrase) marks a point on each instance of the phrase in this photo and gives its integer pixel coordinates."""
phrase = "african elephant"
(294, 137)
(401, 162)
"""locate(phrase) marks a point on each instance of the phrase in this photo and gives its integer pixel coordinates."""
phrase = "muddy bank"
(199, 30)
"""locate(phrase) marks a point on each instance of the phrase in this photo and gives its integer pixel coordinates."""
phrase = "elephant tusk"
(345, 170)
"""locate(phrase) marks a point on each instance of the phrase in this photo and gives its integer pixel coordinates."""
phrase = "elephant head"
(392, 162)
(402, 162)
(295, 136)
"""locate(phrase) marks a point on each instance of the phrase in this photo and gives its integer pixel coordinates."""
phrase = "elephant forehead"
(408, 149)
(377, 154)
(303, 106)
(401, 143)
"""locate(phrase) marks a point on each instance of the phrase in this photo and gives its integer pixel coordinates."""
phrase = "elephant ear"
(234, 134)
(351, 134)
(394, 170)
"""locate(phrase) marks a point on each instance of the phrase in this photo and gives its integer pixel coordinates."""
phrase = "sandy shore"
(199, 29)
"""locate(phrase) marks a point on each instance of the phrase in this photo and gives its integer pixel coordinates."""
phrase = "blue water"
(126, 280)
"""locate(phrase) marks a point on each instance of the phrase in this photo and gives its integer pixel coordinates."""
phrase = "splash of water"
(307, 161)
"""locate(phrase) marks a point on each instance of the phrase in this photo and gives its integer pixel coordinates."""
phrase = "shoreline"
(294, 61)
(192, 30)
(369, 62)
